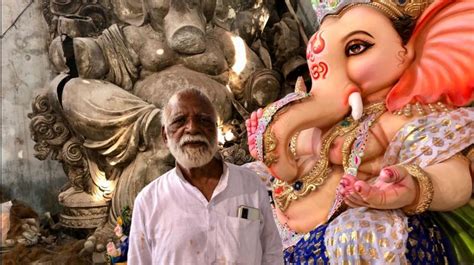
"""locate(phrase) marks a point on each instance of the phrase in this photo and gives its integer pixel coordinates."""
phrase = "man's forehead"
(179, 112)
(181, 104)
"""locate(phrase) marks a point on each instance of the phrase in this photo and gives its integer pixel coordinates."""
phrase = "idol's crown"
(392, 8)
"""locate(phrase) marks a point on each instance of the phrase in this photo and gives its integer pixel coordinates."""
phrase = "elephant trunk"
(319, 110)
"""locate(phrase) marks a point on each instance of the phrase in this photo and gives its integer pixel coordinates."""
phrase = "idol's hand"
(251, 125)
(394, 188)
(111, 250)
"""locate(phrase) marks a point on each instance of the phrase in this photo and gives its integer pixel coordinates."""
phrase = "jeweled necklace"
(284, 193)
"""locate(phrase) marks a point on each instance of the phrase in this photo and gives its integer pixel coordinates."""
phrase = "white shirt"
(173, 223)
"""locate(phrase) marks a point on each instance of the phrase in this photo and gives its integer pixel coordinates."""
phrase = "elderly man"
(204, 211)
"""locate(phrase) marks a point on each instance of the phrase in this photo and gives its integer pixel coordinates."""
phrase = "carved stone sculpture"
(120, 61)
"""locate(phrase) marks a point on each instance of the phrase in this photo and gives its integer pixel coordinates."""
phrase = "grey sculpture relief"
(131, 56)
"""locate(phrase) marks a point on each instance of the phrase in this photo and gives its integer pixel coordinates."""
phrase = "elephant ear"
(443, 67)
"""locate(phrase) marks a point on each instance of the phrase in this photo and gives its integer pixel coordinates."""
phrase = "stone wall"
(25, 71)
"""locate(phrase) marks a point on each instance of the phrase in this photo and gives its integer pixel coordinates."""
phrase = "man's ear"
(163, 135)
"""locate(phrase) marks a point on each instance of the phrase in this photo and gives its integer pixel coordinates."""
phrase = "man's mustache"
(198, 138)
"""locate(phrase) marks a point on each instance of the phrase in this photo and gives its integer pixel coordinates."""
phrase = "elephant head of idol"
(364, 52)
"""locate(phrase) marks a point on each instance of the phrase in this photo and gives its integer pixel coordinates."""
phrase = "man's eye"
(206, 120)
(357, 47)
(178, 121)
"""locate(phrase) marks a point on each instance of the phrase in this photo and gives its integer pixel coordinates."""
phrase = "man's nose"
(192, 126)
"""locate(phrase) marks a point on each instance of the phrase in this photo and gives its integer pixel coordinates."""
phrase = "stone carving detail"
(104, 125)
(87, 217)
(79, 18)
(55, 140)
(76, 164)
(48, 129)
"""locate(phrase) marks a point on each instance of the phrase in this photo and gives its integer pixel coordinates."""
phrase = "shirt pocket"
(241, 240)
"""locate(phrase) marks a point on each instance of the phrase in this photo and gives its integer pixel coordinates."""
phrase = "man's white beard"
(191, 157)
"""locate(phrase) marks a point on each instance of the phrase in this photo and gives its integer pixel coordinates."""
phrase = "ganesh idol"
(363, 164)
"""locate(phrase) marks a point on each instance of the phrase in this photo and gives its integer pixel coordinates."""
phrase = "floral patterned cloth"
(432, 139)
(426, 244)
(362, 234)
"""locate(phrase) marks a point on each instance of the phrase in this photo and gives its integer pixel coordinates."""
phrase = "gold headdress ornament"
(392, 8)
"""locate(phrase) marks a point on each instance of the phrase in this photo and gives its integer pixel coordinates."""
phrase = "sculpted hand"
(111, 250)
(251, 125)
(394, 188)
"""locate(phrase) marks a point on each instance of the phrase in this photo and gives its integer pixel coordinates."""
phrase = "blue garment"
(123, 253)
(309, 250)
(426, 244)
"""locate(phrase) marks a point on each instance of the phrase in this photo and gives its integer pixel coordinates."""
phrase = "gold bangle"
(425, 190)
(293, 144)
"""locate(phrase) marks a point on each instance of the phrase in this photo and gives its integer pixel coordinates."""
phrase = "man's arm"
(451, 182)
(139, 248)
(272, 248)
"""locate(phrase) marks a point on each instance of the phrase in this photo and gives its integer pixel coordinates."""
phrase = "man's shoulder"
(154, 187)
(240, 169)
(243, 172)
(248, 182)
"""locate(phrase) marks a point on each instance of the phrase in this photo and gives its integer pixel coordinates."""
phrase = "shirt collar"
(223, 181)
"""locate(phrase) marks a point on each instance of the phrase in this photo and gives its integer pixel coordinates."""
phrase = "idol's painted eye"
(356, 47)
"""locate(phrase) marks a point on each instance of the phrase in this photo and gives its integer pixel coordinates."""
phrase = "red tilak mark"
(319, 44)
(316, 46)
(319, 70)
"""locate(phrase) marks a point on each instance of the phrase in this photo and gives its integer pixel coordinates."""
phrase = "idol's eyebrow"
(356, 32)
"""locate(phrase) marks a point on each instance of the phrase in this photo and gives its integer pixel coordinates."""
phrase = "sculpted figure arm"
(395, 188)
(108, 56)
(90, 61)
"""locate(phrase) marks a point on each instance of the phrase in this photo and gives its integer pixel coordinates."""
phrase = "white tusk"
(355, 101)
